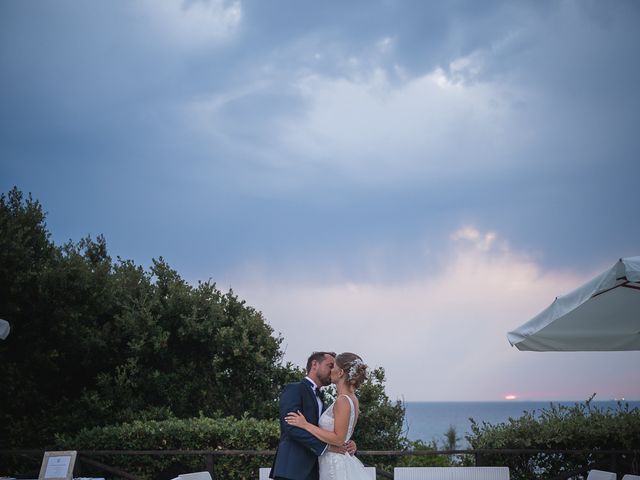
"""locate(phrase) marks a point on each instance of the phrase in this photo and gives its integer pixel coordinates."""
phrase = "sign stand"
(58, 465)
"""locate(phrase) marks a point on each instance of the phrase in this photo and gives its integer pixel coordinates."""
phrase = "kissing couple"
(315, 439)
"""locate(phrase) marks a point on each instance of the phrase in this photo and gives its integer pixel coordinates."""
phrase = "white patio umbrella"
(601, 315)
(5, 328)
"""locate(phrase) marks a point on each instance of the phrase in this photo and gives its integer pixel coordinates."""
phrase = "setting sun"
(510, 397)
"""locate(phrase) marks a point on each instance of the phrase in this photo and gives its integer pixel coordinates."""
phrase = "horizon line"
(621, 400)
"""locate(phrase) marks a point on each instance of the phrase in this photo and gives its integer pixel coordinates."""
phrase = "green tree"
(26, 255)
(451, 438)
(380, 425)
(96, 341)
(191, 350)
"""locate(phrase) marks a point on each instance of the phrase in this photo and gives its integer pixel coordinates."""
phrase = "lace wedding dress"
(335, 466)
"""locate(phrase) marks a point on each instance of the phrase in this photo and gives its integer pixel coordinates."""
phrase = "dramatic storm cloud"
(408, 180)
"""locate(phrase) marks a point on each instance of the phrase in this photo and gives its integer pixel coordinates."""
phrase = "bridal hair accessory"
(353, 368)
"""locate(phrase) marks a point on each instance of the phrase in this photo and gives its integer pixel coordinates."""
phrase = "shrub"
(579, 427)
(181, 434)
(423, 460)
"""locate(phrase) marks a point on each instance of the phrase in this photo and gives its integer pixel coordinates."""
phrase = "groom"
(298, 450)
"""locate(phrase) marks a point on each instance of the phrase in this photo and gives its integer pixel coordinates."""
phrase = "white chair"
(195, 476)
(451, 473)
(628, 476)
(263, 474)
(601, 475)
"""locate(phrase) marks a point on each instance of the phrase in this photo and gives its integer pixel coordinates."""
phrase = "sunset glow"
(510, 397)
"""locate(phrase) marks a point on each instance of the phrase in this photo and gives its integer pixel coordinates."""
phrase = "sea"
(429, 421)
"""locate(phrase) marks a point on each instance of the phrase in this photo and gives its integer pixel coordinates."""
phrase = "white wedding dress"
(335, 466)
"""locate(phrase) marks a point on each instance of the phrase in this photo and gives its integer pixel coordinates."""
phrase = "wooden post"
(209, 462)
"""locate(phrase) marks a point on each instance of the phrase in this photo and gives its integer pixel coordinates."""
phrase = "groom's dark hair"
(318, 357)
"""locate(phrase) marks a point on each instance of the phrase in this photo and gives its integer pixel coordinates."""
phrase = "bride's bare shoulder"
(344, 402)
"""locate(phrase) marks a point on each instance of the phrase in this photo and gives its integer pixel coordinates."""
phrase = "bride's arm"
(340, 425)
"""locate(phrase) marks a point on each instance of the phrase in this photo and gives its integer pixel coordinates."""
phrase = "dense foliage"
(579, 427)
(95, 341)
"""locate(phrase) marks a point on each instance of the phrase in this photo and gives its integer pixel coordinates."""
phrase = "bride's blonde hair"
(354, 368)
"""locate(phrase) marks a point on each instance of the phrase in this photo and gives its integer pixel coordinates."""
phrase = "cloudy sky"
(408, 180)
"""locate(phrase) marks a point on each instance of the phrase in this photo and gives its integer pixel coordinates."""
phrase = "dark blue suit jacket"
(298, 450)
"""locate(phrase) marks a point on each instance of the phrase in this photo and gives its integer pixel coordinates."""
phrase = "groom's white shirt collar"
(313, 384)
(315, 388)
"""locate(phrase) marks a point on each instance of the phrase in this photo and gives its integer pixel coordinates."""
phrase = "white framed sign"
(58, 465)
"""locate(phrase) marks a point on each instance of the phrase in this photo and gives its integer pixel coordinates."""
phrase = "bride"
(336, 424)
